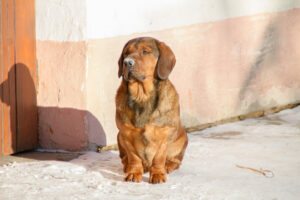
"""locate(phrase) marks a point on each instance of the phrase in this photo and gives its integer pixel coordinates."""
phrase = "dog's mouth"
(130, 76)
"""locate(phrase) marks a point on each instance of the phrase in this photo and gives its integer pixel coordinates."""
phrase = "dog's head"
(144, 58)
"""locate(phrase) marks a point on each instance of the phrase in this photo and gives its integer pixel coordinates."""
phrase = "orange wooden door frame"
(18, 109)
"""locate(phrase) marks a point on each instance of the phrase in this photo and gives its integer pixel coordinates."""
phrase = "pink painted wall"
(64, 122)
(236, 66)
(223, 69)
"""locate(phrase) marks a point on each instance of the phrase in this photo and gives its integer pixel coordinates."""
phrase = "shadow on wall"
(69, 129)
(59, 128)
(20, 115)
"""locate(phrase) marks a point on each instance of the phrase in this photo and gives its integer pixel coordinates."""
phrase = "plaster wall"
(233, 57)
(115, 17)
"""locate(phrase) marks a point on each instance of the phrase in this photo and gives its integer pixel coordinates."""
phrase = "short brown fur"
(151, 137)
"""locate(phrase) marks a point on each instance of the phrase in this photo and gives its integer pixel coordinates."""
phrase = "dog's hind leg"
(176, 151)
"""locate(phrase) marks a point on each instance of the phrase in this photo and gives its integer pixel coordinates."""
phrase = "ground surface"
(251, 159)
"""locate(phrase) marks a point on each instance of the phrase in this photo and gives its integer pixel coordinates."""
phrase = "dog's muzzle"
(129, 63)
(129, 68)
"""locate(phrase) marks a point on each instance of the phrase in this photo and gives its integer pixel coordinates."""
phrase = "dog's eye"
(145, 52)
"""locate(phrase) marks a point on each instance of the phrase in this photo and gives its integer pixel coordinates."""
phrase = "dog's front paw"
(133, 177)
(157, 178)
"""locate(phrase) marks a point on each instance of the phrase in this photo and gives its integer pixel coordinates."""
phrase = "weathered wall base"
(255, 114)
(260, 113)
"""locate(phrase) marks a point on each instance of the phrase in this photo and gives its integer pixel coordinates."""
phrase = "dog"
(151, 136)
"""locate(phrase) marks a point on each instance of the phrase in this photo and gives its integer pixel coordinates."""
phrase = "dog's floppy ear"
(166, 61)
(120, 62)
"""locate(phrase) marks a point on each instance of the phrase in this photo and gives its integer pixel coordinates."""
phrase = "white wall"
(61, 20)
(78, 20)
(119, 17)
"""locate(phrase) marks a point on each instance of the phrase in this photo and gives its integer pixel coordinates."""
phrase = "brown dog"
(151, 137)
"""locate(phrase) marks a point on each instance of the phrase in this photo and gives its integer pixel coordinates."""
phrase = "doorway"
(18, 77)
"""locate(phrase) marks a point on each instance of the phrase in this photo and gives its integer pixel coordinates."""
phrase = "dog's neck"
(142, 100)
(141, 92)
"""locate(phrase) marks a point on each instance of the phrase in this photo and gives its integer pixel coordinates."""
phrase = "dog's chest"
(142, 111)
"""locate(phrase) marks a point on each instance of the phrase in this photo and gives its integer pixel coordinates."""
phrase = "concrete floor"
(251, 159)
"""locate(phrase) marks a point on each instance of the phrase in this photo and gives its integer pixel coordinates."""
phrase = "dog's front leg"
(135, 169)
(158, 170)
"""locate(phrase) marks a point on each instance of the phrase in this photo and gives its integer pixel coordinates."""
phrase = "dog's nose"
(129, 62)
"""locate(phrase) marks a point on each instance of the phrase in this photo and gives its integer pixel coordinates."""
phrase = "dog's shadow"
(108, 164)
